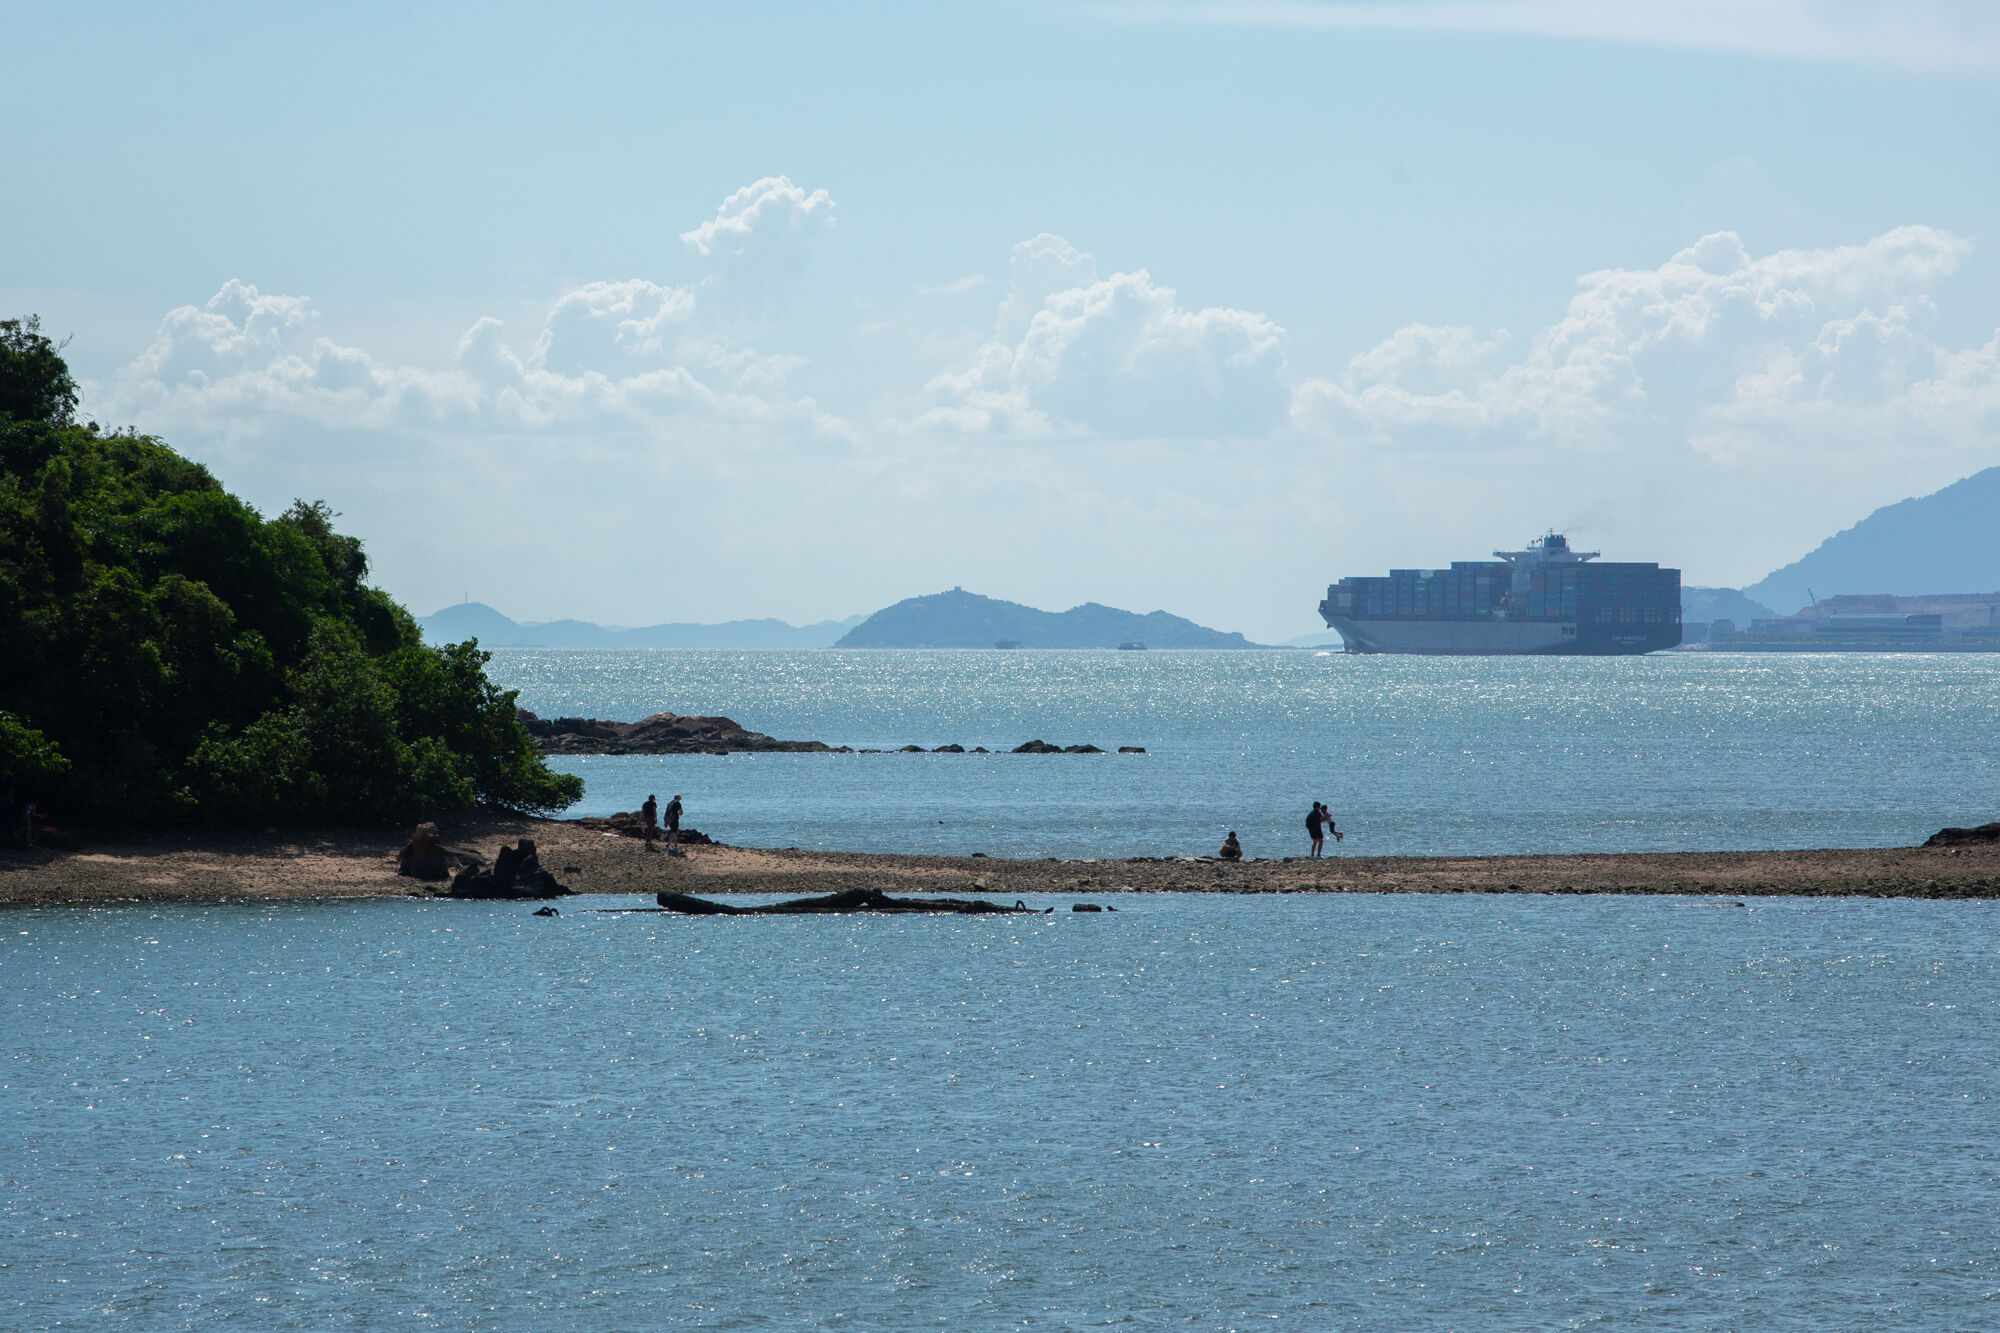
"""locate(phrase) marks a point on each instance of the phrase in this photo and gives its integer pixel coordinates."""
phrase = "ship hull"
(1501, 638)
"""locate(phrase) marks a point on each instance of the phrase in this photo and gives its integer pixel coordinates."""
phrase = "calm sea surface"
(1382, 1113)
(1456, 755)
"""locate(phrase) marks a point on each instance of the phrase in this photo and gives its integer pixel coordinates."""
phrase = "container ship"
(1546, 599)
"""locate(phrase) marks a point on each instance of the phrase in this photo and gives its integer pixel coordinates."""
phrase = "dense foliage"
(167, 653)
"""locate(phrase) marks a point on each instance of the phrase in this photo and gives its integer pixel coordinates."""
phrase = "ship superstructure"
(1544, 599)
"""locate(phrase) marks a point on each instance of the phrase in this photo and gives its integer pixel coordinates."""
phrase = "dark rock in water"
(517, 873)
(662, 733)
(425, 856)
(849, 900)
(1081, 749)
(912, 749)
(949, 749)
(1131, 749)
(1085, 907)
(1962, 837)
(1037, 747)
(980, 749)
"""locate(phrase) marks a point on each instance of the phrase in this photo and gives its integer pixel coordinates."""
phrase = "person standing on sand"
(649, 821)
(674, 825)
(1314, 818)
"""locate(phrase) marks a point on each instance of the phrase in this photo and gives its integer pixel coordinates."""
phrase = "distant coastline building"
(1874, 622)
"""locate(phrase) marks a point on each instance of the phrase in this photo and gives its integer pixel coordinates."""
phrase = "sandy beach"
(360, 863)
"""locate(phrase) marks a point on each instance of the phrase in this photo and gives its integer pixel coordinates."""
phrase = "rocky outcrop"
(627, 824)
(851, 900)
(517, 873)
(671, 733)
(425, 856)
(662, 733)
(1964, 837)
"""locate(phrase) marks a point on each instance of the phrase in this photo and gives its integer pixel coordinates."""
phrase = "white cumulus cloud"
(1118, 356)
(616, 355)
(1816, 350)
(760, 240)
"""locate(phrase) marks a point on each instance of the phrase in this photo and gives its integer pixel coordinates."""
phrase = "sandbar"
(323, 863)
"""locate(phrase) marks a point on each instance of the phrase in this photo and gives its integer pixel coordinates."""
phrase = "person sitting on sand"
(1231, 849)
(674, 825)
(1314, 818)
(649, 821)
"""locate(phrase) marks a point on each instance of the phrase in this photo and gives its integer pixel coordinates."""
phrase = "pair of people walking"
(649, 823)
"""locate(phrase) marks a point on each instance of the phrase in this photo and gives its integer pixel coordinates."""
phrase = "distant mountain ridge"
(470, 620)
(1944, 542)
(961, 619)
(1699, 605)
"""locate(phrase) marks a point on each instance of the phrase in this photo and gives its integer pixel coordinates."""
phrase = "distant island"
(1700, 606)
(476, 620)
(961, 619)
(1933, 554)
(955, 619)
(1947, 541)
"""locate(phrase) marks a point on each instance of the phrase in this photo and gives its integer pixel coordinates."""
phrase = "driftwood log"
(849, 900)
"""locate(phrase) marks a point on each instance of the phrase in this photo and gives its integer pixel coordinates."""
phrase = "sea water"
(1673, 751)
(1200, 1112)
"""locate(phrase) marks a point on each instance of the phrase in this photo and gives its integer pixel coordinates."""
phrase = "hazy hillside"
(960, 619)
(1707, 604)
(469, 620)
(1948, 541)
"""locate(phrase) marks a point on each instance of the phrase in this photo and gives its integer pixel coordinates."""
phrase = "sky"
(644, 313)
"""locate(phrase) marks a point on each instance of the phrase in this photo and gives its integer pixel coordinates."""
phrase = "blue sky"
(639, 313)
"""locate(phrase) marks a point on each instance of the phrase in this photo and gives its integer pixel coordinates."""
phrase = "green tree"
(35, 383)
(166, 653)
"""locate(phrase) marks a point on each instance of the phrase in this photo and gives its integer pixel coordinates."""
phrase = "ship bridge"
(1550, 550)
(1539, 556)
